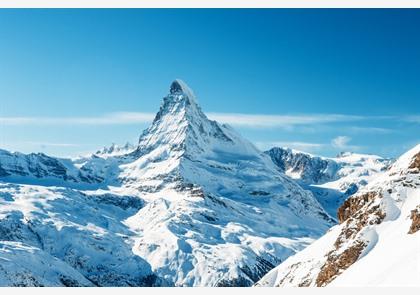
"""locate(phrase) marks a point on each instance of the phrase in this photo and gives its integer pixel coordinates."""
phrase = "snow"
(25, 265)
(395, 256)
(193, 204)
(179, 86)
(331, 180)
(80, 230)
(391, 257)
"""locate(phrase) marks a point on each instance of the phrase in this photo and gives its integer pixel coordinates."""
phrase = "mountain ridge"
(194, 204)
(379, 221)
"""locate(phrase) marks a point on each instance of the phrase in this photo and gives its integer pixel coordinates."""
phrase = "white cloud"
(263, 121)
(340, 142)
(107, 119)
(297, 145)
(412, 119)
(234, 119)
(374, 130)
(52, 144)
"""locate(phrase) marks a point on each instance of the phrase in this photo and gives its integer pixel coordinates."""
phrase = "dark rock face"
(175, 88)
(415, 164)
(312, 169)
(338, 263)
(352, 205)
(356, 213)
(415, 217)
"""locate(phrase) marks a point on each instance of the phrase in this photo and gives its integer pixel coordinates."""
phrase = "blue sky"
(323, 81)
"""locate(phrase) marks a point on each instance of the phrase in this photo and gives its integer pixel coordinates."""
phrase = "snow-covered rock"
(24, 265)
(115, 150)
(377, 240)
(218, 211)
(75, 234)
(193, 204)
(331, 180)
(39, 168)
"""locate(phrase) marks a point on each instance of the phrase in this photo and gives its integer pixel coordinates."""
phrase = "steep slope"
(376, 243)
(331, 180)
(218, 212)
(193, 204)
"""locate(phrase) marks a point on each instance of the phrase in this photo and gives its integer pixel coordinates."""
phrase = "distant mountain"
(115, 150)
(193, 204)
(331, 180)
(41, 169)
(376, 242)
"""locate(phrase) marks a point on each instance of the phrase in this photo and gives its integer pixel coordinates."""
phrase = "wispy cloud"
(297, 145)
(107, 119)
(342, 143)
(377, 130)
(234, 119)
(412, 119)
(51, 144)
(263, 121)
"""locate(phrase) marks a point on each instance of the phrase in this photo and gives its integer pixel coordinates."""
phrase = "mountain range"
(193, 203)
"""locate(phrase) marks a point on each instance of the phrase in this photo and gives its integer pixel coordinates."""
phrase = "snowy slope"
(80, 236)
(218, 212)
(193, 204)
(25, 265)
(331, 180)
(376, 243)
(40, 168)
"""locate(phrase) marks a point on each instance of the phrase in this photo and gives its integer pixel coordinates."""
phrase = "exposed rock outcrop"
(337, 263)
(415, 217)
(364, 250)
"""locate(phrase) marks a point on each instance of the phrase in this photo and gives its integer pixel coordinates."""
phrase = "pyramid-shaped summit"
(180, 87)
(221, 211)
(181, 128)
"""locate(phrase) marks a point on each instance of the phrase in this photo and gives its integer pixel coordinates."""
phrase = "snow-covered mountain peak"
(193, 204)
(180, 87)
(180, 99)
(181, 126)
(197, 176)
(115, 150)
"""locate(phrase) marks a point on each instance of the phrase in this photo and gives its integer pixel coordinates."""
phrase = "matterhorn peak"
(179, 88)
(181, 123)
